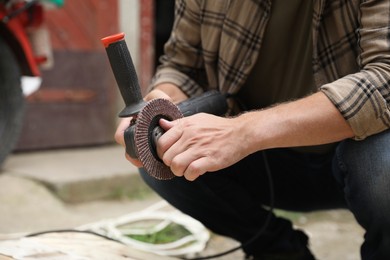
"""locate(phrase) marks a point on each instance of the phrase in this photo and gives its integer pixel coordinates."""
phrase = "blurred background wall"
(78, 101)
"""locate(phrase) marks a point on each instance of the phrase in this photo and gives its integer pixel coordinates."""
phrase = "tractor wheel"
(12, 102)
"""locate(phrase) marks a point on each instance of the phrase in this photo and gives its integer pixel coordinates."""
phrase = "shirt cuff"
(360, 103)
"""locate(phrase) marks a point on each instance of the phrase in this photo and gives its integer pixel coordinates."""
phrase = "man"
(311, 82)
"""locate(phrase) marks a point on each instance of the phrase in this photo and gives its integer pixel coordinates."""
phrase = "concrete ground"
(68, 188)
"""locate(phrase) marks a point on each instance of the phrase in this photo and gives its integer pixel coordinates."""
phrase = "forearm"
(309, 121)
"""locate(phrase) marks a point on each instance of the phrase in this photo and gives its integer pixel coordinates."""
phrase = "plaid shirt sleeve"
(182, 63)
(214, 43)
(363, 97)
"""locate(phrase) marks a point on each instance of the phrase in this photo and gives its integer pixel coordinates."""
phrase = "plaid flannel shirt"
(214, 45)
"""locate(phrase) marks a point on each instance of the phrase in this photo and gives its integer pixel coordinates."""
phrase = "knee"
(370, 154)
(160, 187)
(366, 172)
(368, 159)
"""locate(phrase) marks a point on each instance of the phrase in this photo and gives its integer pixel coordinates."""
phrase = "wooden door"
(76, 104)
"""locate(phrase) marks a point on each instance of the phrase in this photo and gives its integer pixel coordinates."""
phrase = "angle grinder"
(143, 132)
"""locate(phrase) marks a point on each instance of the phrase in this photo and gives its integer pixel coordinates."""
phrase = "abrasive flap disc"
(147, 120)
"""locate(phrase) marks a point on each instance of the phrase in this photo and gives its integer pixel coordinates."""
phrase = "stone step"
(80, 174)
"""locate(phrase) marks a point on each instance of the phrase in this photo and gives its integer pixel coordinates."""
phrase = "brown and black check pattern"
(214, 45)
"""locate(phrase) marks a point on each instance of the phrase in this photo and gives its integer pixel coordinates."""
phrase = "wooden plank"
(59, 95)
(87, 118)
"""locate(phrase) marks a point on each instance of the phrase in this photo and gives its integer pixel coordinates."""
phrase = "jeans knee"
(365, 167)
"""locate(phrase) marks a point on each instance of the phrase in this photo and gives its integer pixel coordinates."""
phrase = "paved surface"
(67, 188)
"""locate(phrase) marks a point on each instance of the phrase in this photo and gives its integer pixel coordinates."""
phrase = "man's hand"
(200, 143)
(119, 138)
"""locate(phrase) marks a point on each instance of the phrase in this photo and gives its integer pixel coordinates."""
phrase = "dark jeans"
(356, 175)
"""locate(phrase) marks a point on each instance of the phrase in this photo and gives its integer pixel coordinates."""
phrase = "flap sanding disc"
(147, 120)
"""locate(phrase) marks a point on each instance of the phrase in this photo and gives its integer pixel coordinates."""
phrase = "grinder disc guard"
(147, 120)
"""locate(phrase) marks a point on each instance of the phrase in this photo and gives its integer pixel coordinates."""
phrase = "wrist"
(251, 128)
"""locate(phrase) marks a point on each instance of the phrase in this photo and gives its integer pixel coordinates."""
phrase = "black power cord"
(72, 231)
